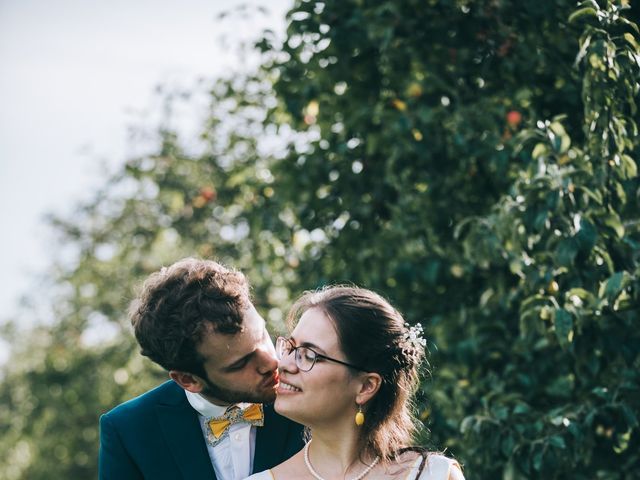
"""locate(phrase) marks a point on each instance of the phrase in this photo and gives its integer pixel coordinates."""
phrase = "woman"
(348, 373)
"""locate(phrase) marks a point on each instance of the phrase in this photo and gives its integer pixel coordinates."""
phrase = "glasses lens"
(305, 358)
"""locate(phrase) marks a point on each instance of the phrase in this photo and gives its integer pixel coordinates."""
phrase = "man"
(196, 320)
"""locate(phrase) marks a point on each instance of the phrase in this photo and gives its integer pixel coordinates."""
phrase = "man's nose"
(268, 361)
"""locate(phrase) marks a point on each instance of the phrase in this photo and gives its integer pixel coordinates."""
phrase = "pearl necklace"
(318, 477)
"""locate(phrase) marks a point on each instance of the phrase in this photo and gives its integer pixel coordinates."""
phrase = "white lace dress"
(438, 467)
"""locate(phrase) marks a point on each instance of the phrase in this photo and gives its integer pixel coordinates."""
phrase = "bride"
(348, 372)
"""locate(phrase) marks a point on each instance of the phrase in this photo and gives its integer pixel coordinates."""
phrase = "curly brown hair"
(180, 303)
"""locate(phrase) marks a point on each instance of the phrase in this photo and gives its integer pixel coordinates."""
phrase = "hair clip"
(413, 339)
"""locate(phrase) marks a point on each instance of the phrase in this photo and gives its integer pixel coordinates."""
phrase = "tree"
(453, 156)
(562, 251)
(416, 141)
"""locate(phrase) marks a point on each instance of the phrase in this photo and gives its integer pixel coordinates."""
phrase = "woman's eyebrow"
(312, 346)
(307, 344)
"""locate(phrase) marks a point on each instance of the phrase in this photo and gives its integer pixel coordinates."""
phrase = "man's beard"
(213, 392)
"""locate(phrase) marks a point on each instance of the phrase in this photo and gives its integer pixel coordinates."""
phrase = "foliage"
(473, 161)
(563, 245)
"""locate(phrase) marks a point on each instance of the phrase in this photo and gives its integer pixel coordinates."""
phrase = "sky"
(75, 76)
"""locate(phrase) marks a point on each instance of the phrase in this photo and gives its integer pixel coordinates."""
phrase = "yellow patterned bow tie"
(219, 426)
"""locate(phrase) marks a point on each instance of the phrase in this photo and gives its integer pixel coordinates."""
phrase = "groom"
(212, 420)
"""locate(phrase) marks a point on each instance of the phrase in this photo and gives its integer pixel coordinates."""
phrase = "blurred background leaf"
(475, 162)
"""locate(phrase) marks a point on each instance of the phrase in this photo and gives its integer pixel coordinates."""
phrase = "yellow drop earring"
(359, 416)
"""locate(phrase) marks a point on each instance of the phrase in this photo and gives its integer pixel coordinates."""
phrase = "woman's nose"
(287, 362)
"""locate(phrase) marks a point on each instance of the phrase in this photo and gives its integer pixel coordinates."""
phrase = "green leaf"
(539, 150)
(630, 416)
(467, 424)
(533, 301)
(593, 364)
(612, 220)
(510, 471)
(563, 322)
(630, 24)
(613, 286)
(584, 295)
(566, 251)
(632, 41)
(601, 392)
(620, 192)
(506, 445)
(561, 386)
(628, 167)
(622, 442)
(536, 460)
(587, 236)
(561, 141)
(593, 194)
(582, 13)
(557, 441)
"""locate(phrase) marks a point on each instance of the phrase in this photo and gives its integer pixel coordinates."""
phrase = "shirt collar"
(207, 409)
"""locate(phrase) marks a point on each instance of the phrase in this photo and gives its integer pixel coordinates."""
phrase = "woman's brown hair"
(373, 334)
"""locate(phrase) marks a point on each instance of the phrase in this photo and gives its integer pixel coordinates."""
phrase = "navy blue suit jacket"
(158, 436)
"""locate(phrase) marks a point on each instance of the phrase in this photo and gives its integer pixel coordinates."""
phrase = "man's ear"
(188, 381)
(369, 386)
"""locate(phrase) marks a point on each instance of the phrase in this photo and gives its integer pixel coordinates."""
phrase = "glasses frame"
(297, 357)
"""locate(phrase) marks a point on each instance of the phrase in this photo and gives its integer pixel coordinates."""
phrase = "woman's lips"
(287, 388)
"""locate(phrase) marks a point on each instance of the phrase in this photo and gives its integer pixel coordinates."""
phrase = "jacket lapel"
(270, 441)
(182, 432)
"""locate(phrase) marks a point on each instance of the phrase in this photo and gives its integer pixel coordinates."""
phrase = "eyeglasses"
(305, 357)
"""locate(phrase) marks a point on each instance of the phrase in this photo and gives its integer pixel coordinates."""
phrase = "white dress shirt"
(232, 457)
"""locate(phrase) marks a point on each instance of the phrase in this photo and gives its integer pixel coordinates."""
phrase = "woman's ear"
(369, 386)
(189, 382)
